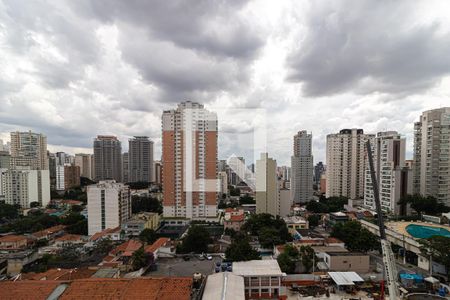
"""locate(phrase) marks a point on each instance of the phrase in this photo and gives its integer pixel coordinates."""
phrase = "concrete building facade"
(302, 168)
(107, 158)
(189, 158)
(24, 186)
(267, 198)
(393, 176)
(85, 163)
(29, 149)
(432, 154)
(140, 156)
(109, 205)
(346, 163)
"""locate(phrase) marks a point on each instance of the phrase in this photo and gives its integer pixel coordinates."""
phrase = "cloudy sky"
(75, 69)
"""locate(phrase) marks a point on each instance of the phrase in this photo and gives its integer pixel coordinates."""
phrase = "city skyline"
(56, 80)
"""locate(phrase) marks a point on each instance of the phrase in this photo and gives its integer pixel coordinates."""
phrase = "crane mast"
(390, 268)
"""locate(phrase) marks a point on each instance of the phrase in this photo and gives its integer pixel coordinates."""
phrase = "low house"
(347, 261)
(49, 233)
(262, 278)
(337, 217)
(296, 223)
(69, 240)
(162, 247)
(13, 242)
(224, 286)
(141, 221)
(331, 241)
(233, 219)
(114, 234)
(120, 256)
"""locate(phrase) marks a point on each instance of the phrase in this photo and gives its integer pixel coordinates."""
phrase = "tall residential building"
(223, 183)
(109, 205)
(393, 176)
(59, 177)
(140, 156)
(84, 162)
(432, 154)
(302, 168)
(29, 149)
(284, 172)
(125, 167)
(23, 186)
(157, 172)
(189, 158)
(107, 158)
(5, 160)
(319, 168)
(346, 163)
(237, 166)
(267, 197)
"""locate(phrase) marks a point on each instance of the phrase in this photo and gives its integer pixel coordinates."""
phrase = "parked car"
(217, 269)
(208, 257)
(218, 263)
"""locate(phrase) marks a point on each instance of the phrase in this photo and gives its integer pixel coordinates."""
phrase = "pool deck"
(400, 226)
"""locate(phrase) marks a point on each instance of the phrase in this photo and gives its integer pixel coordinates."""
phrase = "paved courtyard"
(180, 267)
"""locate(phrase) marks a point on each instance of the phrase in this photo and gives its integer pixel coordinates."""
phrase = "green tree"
(439, 248)
(80, 227)
(424, 205)
(34, 204)
(269, 237)
(246, 200)
(140, 259)
(9, 211)
(307, 254)
(355, 237)
(234, 191)
(255, 223)
(241, 250)
(145, 204)
(313, 220)
(148, 236)
(287, 260)
(196, 240)
(103, 246)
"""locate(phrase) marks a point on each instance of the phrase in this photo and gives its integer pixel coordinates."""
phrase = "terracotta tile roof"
(60, 274)
(47, 231)
(103, 233)
(69, 237)
(12, 238)
(237, 218)
(127, 248)
(27, 289)
(332, 240)
(139, 288)
(156, 245)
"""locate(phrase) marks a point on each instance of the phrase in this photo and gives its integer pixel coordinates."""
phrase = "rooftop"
(156, 245)
(127, 248)
(224, 286)
(103, 233)
(69, 238)
(345, 253)
(47, 231)
(179, 288)
(12, 238)
(295, 220)
(60, 274)
(267, 267)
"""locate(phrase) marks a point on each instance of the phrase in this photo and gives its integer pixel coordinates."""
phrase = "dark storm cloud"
(368, 46)
(213, 26)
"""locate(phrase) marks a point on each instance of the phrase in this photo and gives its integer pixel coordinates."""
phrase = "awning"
(431, 280)
(345, 278)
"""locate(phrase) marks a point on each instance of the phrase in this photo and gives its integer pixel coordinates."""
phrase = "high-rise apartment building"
(319, 168)
(109, 205)
(267, 196)
(125, 167)
(85, 163)
(23, 186)
(189, 158)
(29, 149)
(5, 160)
(302, 168)
(346, 163)
(107, 158)
(237, 166)
(432, 154)
(393, 176)
(157, 172)
(140, 156)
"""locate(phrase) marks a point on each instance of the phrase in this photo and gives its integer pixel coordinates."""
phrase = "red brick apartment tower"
(189, 162)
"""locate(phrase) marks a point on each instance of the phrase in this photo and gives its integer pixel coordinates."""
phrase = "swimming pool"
(424, 232)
